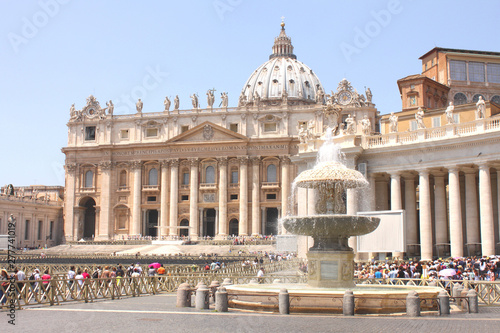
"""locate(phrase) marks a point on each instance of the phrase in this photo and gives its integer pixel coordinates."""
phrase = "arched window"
(271, 173)
(89, 179)
(476, 98)
(459, 99)
(153, 177)
(496, 99)
(123, 178)
(185, 177)
(210, 175)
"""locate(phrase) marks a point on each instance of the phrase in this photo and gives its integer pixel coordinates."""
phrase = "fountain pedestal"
(331, 269)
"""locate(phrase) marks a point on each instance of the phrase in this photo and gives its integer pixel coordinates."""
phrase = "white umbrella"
(447, 272)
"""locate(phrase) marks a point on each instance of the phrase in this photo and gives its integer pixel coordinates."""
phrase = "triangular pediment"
(208, 132)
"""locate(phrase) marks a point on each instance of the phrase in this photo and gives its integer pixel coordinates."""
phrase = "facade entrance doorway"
(184, 230)
(209, 222)
(271, 227)
(89, 218)
(233, 227)
(151, 223)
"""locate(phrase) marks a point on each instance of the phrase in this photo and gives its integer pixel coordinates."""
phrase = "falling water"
(329, 150)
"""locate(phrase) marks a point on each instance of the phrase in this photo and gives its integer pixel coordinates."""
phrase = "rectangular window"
(476, 71)
(51, 229)
(124, 134)
(493, 73)
(233, 127)
(436, 122)
(184, 128)
(151, 132)
(234, 196)
(26, 229)
(413, 125)
(271, 196)
(184, 197)
(234, 177)
(457, 70)
(152, 199)
(270, 127)
(40, 227)
(90, 133)
(185, 178)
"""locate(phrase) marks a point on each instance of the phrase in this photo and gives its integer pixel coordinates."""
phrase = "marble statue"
(176, 102)
(393, 123)
(72, 111)
(210, 98)
(350, 129)
(111, 107)
(369, 95)
(224, 99)
(167, 102)
(284, 97)
(366, 125)
(256, 98)
(449, 113)
(311, 125)
(419, 116)
(242, 99)
(480, 108)
(139, 106)
(320, 96)
(194, 101)
(303, 134)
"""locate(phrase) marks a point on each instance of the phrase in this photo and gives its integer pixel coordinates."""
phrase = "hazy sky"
(57, 52)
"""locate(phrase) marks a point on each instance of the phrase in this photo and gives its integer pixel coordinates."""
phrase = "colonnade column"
(106, 227)
(163, 227)
(456, 234)
(70, 220)
(256, 224)
(381, 201)
(174, 195)
(285, 185)
(396, 203)
(135, 229)
(243, 221)
(440, 211)
(222, 216)
(425, 216)
(471, 212)
(411, 210)
(486, 211)
(193, 198)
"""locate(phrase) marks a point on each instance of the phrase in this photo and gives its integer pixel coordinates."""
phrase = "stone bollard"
(459, 294)
(444, 303)
(202, 301)
(412, 304)
(227, 282)
(463, 293)
(221, 300)
(184, 295)
(455, 292)
(213, 288)
(284, 301)
(348, 306)
(473, 301)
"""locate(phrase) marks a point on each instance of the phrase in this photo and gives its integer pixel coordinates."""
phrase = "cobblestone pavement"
(159, 313)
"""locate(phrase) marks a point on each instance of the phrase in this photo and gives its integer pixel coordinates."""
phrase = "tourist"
(260, 275)
(4, 282)
(86, 274)
(71, 276)
(119, 271)
(46, 281)
(79, 277)
(161, 270)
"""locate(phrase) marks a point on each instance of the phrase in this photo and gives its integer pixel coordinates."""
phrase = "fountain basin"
(307, 299)
(330, 225)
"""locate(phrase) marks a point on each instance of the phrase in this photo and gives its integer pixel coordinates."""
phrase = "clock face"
(345, 97)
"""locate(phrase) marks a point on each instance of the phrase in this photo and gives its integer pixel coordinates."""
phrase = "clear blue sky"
(57, 52)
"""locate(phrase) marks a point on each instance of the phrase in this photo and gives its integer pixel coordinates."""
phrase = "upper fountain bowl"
(330, 174)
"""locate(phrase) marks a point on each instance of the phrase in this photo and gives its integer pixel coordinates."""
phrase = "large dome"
(282, 73)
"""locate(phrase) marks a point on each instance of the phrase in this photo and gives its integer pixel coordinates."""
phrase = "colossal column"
(456, 234)
(471, 212)
(222, 217)
(70, 220)
(174, 195)
(163, 230)
(106, 226)
(425, 216)
(285, 184)
(486, 211)
(440, 210)
(193, 199)
(243, 196)
(396, 203)
(135, 229)
(411, 210)
(256, 225)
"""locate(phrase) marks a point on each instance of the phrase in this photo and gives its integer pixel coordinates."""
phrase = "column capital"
(194, 162)
(423, 172)
(285, 159)
(256, 160)
(484, 166)
(222, 160)
(243, 160)
(106, 165)
(174, 162)
(453, 169)
(164, 163)
(395, 174)
(134, 165)
(70, 167)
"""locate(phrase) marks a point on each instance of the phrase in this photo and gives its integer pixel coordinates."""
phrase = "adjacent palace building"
(219, 171)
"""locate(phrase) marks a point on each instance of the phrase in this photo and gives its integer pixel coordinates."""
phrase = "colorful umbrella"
(155, 265)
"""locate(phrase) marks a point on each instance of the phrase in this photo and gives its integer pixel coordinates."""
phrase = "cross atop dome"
(283, 44)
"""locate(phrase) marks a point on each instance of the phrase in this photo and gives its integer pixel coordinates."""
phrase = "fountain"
(330, 259)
